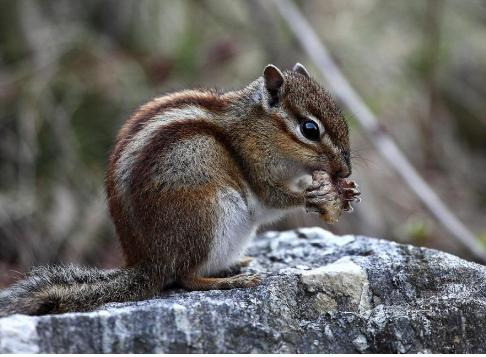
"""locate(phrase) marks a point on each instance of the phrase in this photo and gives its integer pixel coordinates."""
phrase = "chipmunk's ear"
(301, 69)
(273, 79)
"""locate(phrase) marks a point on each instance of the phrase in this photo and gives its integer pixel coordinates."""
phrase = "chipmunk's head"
(307, 128)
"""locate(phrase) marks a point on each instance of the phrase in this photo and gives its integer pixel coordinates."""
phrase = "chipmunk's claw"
(348, 209)
(350, 191)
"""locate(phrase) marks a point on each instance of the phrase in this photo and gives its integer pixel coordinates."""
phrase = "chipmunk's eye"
(310, 130)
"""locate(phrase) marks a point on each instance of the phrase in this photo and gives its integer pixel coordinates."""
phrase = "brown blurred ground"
(72, 72)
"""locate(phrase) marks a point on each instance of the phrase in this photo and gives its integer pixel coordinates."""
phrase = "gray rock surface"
(321, 293)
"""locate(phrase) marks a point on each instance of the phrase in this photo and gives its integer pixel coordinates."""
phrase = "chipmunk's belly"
(235, 229)
(238, 220)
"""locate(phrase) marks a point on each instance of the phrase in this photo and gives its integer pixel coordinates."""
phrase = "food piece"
(329, 196)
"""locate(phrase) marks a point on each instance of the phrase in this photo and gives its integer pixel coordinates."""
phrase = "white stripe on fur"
(125, 164)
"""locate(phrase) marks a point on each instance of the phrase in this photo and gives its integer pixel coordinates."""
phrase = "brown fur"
(168, 213)
(207, 99)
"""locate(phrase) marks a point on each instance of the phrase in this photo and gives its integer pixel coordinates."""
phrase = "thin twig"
(368, 121)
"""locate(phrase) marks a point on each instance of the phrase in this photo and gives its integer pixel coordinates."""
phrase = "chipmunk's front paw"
(350, 193)
(324, 197)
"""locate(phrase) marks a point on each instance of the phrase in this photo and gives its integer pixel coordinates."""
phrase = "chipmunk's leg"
(237, 281)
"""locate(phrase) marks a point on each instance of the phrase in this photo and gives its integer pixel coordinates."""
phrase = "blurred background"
(72, 72)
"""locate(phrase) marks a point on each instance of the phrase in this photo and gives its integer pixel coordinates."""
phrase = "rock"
(321, 293)
(342, 279)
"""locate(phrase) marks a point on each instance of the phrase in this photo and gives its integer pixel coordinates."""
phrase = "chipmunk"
(192, 176)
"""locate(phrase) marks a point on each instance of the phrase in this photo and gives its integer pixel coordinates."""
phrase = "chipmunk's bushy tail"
(58, 289)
